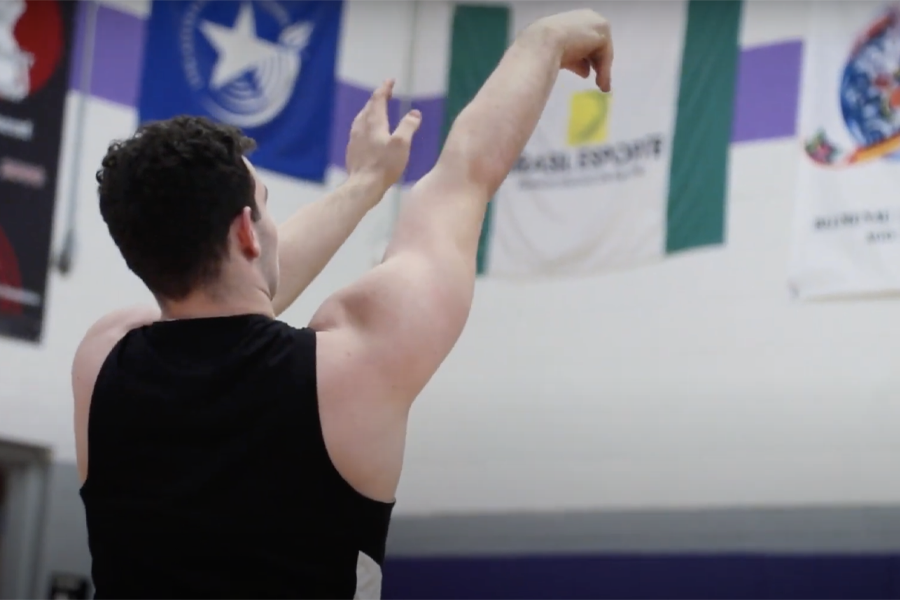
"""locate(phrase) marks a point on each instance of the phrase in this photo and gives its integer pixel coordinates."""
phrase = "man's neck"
(203, 305)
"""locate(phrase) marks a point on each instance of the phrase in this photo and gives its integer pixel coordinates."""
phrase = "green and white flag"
(606, 181)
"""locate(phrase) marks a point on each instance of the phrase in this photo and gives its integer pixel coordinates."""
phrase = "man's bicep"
(399, 322)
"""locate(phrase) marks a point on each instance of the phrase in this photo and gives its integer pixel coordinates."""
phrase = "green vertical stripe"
(479, 39)
(699, 173)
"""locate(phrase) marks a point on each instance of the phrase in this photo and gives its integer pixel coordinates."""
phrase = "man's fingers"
(378, 103)
(582, 68)
(602, 61)
(383, 92)
(375, 109)
(408, 126)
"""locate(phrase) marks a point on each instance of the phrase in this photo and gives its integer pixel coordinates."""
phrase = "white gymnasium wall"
(693, 383)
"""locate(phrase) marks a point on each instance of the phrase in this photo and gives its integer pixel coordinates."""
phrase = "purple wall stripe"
(767, 92)
(118, 54)
(427, 143)
(765, 105)
(77, 47)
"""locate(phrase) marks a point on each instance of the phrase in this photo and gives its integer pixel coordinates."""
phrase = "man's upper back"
(209, 473)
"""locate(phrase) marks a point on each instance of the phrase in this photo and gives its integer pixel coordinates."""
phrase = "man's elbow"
(467, 164)
(460, 170)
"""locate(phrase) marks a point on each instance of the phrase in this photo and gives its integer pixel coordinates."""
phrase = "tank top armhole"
(307, 338)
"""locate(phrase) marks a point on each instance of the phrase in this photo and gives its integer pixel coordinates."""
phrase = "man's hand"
(583, 36)
(374, 152)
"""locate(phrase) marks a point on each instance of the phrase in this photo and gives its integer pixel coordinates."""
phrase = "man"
(232, 455)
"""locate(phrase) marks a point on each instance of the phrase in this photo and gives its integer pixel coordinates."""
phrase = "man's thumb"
(408, 126)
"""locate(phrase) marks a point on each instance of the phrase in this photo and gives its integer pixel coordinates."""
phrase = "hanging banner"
(266, 67)
(607, 181)
(846, 238)
(35, 46)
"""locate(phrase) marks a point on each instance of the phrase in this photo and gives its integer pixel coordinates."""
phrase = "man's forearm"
(313, 234)
(484, 143)
(489, 135)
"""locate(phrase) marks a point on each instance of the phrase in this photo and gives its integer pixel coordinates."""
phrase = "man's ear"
(248, 242)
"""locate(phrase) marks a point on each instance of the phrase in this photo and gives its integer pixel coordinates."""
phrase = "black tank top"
(209, 476)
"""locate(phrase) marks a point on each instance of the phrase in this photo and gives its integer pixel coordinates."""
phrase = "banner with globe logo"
(847, 222)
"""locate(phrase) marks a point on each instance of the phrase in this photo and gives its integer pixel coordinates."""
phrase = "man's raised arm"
(394, 327)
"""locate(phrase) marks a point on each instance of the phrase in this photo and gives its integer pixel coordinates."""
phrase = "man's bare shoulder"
(101, 338)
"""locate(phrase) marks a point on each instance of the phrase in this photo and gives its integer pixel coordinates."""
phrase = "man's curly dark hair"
(169, 195)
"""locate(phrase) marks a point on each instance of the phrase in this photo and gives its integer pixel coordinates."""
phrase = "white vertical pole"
(405, 106)
(66, 253)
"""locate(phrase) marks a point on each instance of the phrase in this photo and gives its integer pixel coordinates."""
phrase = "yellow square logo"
(588, 117)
